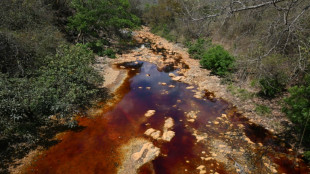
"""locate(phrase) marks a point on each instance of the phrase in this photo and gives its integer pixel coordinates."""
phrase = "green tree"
(68, 82)
(298, 104)
(95, 16)
(297, 109)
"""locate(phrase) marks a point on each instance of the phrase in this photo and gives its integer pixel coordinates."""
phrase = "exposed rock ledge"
(137, 152)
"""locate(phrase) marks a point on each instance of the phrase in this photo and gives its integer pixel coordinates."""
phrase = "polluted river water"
(205, 135)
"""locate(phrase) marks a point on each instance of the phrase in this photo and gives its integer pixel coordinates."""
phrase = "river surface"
(228, 144)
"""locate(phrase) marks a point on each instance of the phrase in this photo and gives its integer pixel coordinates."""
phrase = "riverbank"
(168, 57)
(168, 54)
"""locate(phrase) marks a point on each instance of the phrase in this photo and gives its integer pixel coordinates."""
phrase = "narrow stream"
(228, 143)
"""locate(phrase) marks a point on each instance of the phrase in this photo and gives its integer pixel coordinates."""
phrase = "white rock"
(168, 135)
(168, 123)
(149, 113)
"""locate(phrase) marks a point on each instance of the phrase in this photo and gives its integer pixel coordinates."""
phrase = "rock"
(190, 87)
(171, 86)
(200, 137)
(202, 169)
(150, 150)
(148, 88)
(177, 78)
(168, 123)
(149, 113)
(123, 67)
(164, 84)
(155, 134)
(248, 140)
(168, 135)
(171, 75)
(191, 120)
(192, 114)
(209, 158)
(148, 75)
(216, 122)
(149, 131)
(137, 152)
(198, 96)
(221, 146)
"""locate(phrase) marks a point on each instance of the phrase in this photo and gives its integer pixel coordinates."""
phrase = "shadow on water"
(95, 148)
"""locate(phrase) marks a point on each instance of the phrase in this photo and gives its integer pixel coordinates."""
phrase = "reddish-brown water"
(95, 149)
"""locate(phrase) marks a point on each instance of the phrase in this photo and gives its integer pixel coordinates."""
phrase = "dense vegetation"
(46, 73)
(270, 41)
(218, 60)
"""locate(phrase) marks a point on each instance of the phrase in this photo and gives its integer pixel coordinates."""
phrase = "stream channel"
(208, 134)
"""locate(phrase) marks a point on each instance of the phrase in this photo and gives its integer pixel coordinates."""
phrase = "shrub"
(297, 106)
(163, 31)
(68, 82)
(196, 50)
(270, 87)
(218, 60)
(110, 53)
(97, 46)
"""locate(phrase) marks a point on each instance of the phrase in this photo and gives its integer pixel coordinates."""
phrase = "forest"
(259, 48)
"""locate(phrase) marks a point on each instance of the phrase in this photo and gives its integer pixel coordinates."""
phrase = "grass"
(243, 94)
(262, 109)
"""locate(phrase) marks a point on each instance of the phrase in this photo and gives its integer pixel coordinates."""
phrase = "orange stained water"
(95, 148)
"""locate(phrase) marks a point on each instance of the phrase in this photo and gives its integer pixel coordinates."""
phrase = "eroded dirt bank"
(158, 124)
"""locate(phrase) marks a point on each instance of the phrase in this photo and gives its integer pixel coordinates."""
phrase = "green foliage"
(243, 94)
(307, 155)
(27, 35)
(68, 81)
(197, 50)
(262, 109)
(270, 87)
(19, 14)
(163, 31)
(218, 60)
(297, 106)
(66, 84)
(97, 46)
(110, 53)
(94, 16)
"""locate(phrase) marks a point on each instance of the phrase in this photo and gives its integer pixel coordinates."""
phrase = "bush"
(218, 60)
(97, 46)
(110, 53)
(270, 87)
(163, 31)
(297, 106)
(196, 50)
(68, 82)
(65, 85)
